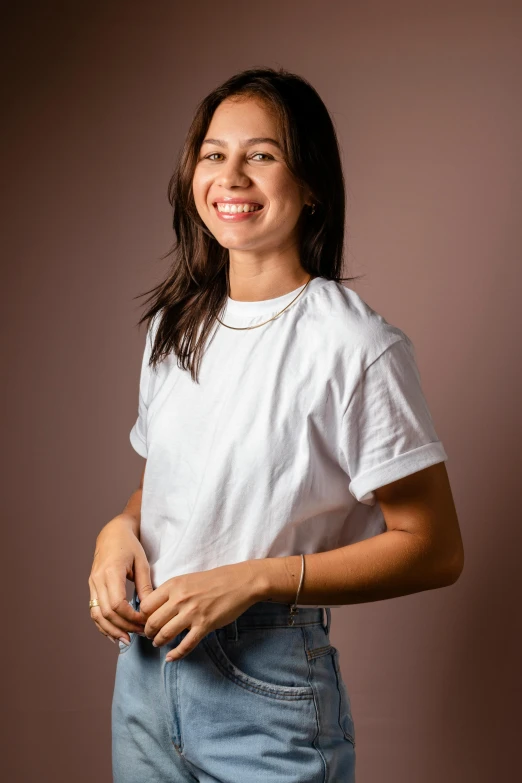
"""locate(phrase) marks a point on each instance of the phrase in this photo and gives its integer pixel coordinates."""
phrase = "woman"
(279, 416)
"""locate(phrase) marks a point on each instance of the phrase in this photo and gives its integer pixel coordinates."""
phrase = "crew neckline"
(265, 306)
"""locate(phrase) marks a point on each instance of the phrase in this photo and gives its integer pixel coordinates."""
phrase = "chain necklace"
(270, 319)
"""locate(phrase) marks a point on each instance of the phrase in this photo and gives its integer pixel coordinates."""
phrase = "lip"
(230, 200)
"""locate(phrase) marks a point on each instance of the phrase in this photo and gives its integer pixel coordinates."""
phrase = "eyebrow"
(246, 143)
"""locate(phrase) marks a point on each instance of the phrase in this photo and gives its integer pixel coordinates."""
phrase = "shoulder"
(352, 327)
(153, 325)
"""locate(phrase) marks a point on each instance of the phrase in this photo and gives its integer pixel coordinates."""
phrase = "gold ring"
(93, 602)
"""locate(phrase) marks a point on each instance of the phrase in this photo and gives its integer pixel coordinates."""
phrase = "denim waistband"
(266, 614)
(272, 613)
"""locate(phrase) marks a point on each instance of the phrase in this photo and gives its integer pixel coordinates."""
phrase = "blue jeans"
(257, 700)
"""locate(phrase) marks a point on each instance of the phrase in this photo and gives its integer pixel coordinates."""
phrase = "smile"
(236, 212)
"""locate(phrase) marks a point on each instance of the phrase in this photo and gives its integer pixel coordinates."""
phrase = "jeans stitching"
(335, 660)
(170, 689)
(229, 670)
(318, 651)
(317, 739)
(246, 626)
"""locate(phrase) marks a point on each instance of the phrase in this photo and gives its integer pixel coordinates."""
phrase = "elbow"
(441, 567)
(453, 566)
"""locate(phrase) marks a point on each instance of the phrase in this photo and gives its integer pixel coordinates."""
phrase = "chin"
(231, 243)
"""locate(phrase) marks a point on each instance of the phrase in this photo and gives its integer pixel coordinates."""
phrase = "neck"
(248, 285)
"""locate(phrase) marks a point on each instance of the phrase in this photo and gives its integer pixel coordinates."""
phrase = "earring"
(312, 210)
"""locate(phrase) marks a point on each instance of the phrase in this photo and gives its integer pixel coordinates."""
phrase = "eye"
(263, 155)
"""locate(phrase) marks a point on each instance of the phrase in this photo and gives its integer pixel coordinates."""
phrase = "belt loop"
(232, 632)
(293, 611)
(327, 619)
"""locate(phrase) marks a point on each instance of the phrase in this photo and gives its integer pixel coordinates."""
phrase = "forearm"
(132, 511)
(388, 565)
(131, 514)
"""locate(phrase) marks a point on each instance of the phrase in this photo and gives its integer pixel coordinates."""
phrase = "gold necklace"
(270, 319)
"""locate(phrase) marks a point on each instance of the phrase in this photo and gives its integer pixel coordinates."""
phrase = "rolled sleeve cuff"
(138, 444)
(363, 486)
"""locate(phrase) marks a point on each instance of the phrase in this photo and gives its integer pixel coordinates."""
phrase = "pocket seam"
(335, 659)
(317, 652)
(285, 692)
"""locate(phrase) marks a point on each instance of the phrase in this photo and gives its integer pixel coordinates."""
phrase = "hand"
(119, 556)
(201, 601)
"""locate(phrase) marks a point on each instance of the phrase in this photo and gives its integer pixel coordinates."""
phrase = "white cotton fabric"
(279, 448)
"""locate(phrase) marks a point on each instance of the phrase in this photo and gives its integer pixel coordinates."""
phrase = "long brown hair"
(196, 287)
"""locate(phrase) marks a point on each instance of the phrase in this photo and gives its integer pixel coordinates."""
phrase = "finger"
(107, 628)
(108, 620)
(189, 643)
(154, 600)
(108, 612)
(159, 620)
(169, 631)
(100, 629)
(142, 578)
(115, 584)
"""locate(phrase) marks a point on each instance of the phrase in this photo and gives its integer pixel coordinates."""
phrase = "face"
(235, 169)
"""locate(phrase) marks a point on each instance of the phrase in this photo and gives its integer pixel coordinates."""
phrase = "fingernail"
(124, 640)
(111, 639)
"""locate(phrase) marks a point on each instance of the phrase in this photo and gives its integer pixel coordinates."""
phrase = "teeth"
(234, 208)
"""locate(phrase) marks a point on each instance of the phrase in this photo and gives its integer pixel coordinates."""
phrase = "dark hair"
(196, 287)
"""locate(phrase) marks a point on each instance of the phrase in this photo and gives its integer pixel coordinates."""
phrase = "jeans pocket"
(270, 661)
(345, 709)
(317, 641)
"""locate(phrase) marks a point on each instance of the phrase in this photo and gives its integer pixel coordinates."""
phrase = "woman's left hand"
(201, 601)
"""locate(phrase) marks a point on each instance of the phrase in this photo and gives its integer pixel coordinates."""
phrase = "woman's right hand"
(118, 556)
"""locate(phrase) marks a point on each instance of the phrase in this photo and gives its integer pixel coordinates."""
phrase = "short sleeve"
(387, 429)
(138, 433)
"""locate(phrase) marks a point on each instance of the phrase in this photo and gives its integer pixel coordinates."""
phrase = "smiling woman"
(264, 137)
(292, 464)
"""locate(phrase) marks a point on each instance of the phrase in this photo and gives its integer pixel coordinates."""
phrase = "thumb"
(142, 578)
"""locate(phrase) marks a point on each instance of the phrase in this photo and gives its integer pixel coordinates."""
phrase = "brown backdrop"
(426, 100)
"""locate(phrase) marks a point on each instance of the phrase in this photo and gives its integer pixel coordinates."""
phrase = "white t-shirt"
(278, 449)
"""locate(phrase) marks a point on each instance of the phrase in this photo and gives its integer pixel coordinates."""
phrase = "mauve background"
(426, 99)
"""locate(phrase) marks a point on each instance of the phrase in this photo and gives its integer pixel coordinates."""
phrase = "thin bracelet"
(293, 608)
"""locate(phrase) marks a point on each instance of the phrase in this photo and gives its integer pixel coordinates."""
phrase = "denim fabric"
(257, 700)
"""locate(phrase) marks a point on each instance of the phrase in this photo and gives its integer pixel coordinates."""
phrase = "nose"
(232, 173)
